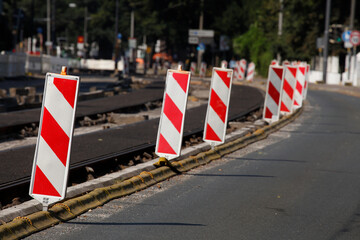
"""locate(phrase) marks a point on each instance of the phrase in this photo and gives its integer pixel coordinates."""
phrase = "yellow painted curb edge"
(21, 227)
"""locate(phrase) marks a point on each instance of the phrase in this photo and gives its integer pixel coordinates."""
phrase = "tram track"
(98, 153)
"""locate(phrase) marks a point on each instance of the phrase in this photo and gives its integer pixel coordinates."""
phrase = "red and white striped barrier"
(273, 94)
(193, 68)
(274, 62)
(218, 106)
(299, 89)
(250, 72)
(52, 154)
(286, 62)
(288, 89)
(224, 63)
(202, 70)
(242, 69)
(306, 84)
(170, 132)
(236, 70)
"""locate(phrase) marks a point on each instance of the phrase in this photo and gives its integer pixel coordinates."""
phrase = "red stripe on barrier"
(218, 105)
(274, 94)
(224, 76)
(293, 71)
(181, 79)
(302, 70)
(288, 89)
(67, 88)
(173, 113)
(54, 136)
(279, 72)
(295, 103)
(284, 108)
(164, 146)
(241, 69)
(268, 114)
(211, 135)
(299, 87)
(42, 185)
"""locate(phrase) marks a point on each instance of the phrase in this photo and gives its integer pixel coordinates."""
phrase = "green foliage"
(254, 46)
(303, 22)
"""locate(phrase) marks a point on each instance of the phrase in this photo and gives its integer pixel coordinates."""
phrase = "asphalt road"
(300, 183)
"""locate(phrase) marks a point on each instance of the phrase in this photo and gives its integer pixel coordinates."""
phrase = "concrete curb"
(21, 227)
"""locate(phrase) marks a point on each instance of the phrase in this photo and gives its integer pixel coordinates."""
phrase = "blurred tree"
(256, 47)
(171, 20)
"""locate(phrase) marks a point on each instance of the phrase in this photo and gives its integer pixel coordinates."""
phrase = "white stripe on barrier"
(175, 92)
(215, 122)
(170, 132)
(221, 89)
(56, 102)
(50, 164)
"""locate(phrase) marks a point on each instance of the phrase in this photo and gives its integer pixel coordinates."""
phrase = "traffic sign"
(201, 33)
(320, 42)
(348, 45)
(132, 42)
(345, 36)
(193, 40)
(201, 47)
(355, 38)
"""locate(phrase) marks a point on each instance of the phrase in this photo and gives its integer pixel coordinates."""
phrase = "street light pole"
(352, 14)
(132, 23)
(326, 39)
(201, 26)
(352, 59)
(280, 27)
(115, 34)
(48, 27)
(85, 29)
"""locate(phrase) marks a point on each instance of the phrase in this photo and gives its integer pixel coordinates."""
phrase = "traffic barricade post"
(273, 94)
(218, 106)
(52, 154)
(170, 131)
(287, 99)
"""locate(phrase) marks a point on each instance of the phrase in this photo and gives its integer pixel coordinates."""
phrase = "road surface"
(300, 183)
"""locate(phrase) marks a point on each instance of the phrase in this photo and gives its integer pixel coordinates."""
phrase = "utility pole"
(31, 25)
(53, 24)
(115, 35)
(278, 57)
(132, 48)
(132, 23)
(201, 26)
(48, 30)
(85, 29)
(326, 39)
(352, 14)
(352, 59)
